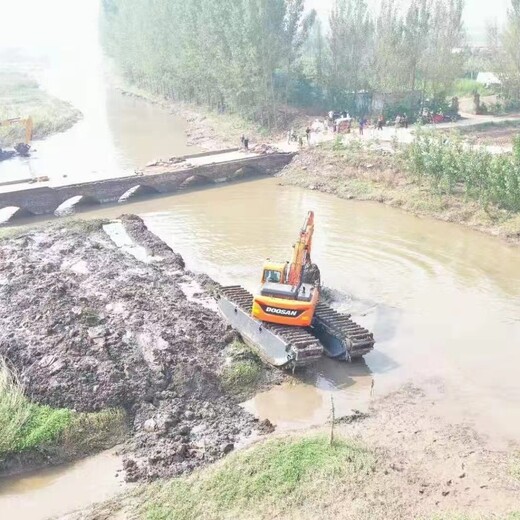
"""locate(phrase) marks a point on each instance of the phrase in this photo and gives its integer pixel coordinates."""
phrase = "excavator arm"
(302, 251)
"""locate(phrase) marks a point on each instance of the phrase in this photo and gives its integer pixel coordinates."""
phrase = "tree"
(350, 47)
(443, 60)
(296, 32)
(390, 59)
(506, 53)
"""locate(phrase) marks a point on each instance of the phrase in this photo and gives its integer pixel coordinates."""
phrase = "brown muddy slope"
(88, 326)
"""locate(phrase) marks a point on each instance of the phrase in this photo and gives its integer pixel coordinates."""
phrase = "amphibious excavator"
(286, 321)
(20, 148)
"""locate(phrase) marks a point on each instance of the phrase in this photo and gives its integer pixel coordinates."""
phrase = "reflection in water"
(57, 491)
(441, 299)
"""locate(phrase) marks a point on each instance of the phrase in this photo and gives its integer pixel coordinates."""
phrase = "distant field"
(20, 96)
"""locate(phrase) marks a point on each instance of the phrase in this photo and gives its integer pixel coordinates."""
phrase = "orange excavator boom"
(302, 251)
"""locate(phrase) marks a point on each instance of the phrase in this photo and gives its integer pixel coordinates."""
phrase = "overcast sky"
(478, 13)
(41, 24)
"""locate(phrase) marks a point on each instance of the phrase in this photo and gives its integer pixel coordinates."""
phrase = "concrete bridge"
(186, 172)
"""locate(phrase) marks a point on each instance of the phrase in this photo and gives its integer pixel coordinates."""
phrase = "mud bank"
(364, 174)
(88, 326)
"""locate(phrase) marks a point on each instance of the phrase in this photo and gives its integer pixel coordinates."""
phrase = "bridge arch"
(72, 204)
(12, 213)
(245, 171)
(140, 190)
(195, 180)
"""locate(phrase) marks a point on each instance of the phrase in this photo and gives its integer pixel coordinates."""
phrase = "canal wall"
(47, 200)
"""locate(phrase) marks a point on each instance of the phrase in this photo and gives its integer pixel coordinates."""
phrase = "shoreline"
(209, 130)
(421, 465)
(313, 169)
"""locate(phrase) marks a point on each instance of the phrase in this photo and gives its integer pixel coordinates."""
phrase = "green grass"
(21, 96)
(276, 476)
(243, 372)
(465, 87)
(25, 426)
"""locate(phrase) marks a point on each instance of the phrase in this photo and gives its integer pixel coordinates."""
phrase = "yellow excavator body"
(286, 296)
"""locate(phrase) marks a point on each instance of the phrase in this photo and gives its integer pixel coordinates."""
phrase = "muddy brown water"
(443, 301)
(58, 491)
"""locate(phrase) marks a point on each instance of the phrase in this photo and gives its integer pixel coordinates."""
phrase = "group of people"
(343, 123)
(292, 136)
(401, 121)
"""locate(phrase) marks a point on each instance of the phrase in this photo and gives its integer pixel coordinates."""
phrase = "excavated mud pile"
(88, 326)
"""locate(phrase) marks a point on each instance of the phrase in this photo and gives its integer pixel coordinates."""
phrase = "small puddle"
(117, 232)
(306, 400)
(57, 491)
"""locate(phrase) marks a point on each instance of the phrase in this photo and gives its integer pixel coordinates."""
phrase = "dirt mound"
(88, 326)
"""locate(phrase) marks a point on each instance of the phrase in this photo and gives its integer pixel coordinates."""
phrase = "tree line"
(505, 52)
(256, 57)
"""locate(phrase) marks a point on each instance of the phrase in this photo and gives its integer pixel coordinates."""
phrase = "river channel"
(443, 301)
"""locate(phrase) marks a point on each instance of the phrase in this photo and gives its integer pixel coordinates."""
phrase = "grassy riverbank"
(365, 171)
(278, 478)
(396, 462)
(21, 96)
(29, 430)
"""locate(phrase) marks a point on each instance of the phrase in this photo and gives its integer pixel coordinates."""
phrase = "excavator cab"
(274, 273)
